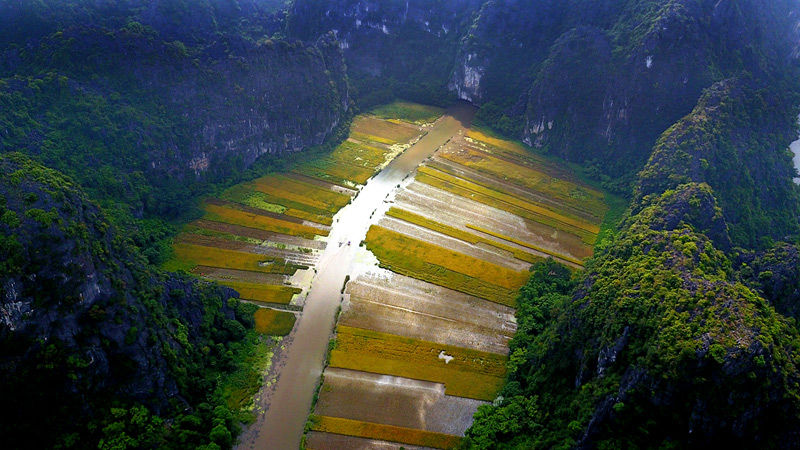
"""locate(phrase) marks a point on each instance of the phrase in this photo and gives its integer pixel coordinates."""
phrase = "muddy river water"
(282, 426)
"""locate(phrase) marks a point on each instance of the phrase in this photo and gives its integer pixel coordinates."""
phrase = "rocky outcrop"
(85, 325)
(659, 344)
(173, 116)
(735, 140)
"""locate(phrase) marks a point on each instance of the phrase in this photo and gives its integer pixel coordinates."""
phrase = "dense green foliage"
(735, 140)
(148, 112)
(657, 346)
(95, 346)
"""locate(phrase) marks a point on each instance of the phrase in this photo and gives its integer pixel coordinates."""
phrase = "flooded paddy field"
(422, 341)
(399, 255)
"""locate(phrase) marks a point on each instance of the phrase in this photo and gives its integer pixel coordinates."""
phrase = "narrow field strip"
(549, 252)
(253, 235)
(336, 172)
(456, 233)
(441, 180)
(248, 219)
(389, 433)
(189, 256)
(219, 274)
(438, 265)
(274, 323)
(375, 126)
(248, 195)
(540, 209)
(519, 154)
(464, 372)
(301, 193)
(263, 292)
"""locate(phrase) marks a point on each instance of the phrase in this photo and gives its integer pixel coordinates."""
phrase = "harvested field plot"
(444, 267)
(394, 401)
(390, 433)
(317, 440)
(456, 233)
(394, 132)
(464, 372)
(413, 308)
(447, 208)
(226, 275)
(459, 186)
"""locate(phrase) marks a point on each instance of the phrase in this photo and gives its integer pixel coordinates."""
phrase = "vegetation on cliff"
(656, 344)
(116, 353)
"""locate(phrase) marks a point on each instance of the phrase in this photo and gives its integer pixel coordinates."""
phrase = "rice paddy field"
(263, 238)
(422, 341)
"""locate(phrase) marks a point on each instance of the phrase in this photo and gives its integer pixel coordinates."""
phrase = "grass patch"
(248, 219)
(252, 360)
(470, 374)
(189, 256)
(391, 433)
(274, 323)
(263, 292)
(409, 112)
(459, 186)
(444, 267)
(617, 208)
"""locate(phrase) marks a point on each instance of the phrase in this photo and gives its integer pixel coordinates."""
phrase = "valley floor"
(410, 242)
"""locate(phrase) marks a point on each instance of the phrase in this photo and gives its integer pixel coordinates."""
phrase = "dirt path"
(281, 427)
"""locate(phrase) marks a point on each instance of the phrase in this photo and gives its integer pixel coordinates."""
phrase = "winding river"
(282, 425)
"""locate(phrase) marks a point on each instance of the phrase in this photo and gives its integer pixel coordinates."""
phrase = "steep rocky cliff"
(736, 139)
(393, 48)
(88, 333)
(594, 82)
(138, 116)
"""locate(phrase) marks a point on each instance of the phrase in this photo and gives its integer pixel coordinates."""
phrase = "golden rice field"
(253, 226)
(188, 256)
(235, 216)
(453, 232)
(390, 433)
(444, 267)
(274, 323)
(470, 373)
(566, 192)
(522, 208)
(263, 292)
(396, 133)
(517, 153)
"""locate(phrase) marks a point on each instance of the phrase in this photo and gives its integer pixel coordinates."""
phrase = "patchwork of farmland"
(263, 238)
(422, 341)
